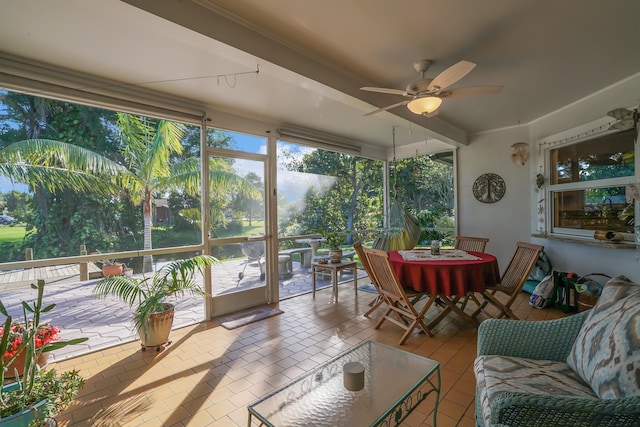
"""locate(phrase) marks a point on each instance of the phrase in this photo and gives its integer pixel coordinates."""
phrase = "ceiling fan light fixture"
(424, 105)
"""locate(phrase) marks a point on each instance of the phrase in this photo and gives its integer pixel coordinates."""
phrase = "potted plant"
(148, 296)
(333, 240)
(38, 393)
(45, 334)
(112, 268)
(430, 235)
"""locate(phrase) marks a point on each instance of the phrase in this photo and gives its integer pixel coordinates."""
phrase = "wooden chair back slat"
(512, 280)
(519, 268)
(473, 244)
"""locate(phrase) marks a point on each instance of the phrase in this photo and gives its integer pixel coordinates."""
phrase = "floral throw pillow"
(606, 353)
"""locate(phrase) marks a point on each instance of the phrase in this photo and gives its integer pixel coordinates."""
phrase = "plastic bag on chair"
(541, 296)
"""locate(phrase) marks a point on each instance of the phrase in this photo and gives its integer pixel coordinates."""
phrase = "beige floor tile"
(209, 375)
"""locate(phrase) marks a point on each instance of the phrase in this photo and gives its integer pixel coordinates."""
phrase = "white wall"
(507, 221)
(576, 257)
(513, 218)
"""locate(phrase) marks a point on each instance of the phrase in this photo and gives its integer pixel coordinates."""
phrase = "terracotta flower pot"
(112, 270)
(158, 329)
(18, 364)
(335, 256)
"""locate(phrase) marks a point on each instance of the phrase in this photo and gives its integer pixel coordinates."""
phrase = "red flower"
(46, 334)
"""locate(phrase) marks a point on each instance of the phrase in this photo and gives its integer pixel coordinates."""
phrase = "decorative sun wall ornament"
(489, 188)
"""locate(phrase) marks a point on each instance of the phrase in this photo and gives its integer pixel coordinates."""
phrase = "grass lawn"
(11, 234)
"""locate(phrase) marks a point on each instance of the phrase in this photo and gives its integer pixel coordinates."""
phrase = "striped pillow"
(606, 353)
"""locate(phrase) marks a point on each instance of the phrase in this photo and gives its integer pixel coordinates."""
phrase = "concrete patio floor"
(107, 322)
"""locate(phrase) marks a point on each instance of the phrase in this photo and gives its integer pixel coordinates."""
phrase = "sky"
(6, 186)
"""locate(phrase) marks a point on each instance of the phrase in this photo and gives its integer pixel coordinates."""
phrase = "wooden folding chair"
(512, 279)
(400, 302)
(473, 244)
(378, 300)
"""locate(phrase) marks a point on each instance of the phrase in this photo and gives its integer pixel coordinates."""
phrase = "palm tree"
(149, 152)
(57, 165)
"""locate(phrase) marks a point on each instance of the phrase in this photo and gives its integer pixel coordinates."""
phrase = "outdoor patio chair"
(512, 280)
(377, 301)
(400, 301)
(473, 244)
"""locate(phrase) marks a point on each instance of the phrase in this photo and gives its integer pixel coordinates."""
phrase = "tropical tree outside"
(426, 186)
(147, 148)
(248, 207)
(344, 191)
(53, 135)
(75, 186)
(93, 176)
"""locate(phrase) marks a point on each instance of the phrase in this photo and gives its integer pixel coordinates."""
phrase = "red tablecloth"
(447, 277)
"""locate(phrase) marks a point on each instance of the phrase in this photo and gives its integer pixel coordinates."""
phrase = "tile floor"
(107, 322)
(209, 374)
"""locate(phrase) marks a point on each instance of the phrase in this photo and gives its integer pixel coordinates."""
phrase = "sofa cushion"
(606, 353)
(497, 375)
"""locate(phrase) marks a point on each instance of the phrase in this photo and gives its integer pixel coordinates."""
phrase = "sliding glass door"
(237, 220)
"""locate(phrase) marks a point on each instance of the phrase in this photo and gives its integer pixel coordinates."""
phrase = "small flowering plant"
(45, 334)
(53, 390)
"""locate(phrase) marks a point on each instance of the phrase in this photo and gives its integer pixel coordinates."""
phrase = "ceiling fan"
(624, 118)
(426, 95)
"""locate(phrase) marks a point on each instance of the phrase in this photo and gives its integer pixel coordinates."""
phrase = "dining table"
(451, 275)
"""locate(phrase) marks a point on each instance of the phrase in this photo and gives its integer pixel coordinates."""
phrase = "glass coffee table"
(396, 382)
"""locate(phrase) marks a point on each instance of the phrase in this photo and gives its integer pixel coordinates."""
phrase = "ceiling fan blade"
(622, 124)
(451, 75)
(388, 107)
(620, 114)
(385, 90)
(462, 92)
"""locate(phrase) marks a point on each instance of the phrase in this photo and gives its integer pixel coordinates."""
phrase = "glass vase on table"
(435, 247)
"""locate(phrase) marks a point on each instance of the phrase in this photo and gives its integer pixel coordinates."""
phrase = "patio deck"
(79, 313)
(13, 279)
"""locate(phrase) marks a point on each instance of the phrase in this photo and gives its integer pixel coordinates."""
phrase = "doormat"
(245, 317)
(368, 288)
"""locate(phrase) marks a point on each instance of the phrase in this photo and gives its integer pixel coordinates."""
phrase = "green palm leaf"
(149, 294)
(56, 165)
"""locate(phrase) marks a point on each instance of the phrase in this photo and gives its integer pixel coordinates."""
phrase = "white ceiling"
(313, 56)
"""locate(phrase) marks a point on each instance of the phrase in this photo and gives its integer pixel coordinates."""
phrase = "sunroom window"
(588, 185)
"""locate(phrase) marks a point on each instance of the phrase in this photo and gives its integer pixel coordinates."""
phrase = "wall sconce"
(520, 153)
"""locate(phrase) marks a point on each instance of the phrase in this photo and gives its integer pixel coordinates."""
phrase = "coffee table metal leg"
(249, 424)
(334, 281)
(412, 400)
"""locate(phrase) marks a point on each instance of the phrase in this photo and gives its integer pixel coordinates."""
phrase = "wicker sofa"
(582, 370)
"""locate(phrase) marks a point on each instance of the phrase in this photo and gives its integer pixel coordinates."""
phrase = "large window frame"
(69, 86)
(553, 201)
